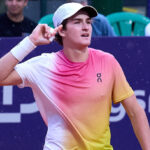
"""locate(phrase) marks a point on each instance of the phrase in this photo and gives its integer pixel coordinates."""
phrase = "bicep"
(12, 79)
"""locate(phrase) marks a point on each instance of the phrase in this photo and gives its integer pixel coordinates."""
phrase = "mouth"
(85, 35)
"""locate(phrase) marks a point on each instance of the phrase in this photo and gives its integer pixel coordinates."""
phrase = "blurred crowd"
(14, 21)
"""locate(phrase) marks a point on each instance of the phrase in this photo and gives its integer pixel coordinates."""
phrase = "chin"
(84, 45)
(87, 43)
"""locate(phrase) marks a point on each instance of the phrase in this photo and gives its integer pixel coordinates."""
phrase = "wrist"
(33, 40)
(22, 49)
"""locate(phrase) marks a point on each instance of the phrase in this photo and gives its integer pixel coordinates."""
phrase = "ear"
(62, 32)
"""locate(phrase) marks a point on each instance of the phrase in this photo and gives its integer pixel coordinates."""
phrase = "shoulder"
(100, 20)
(42, 59)
(100, 17)
(36, 64)
(100, 54)
(3, 18)
(29, 21)
(4, 24)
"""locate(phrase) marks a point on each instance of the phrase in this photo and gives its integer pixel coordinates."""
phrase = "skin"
(76, 46)
(76, 49)
(15, 9)
(138, 120)
(40, 36)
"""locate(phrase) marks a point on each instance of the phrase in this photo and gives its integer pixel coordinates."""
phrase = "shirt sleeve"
(29, 70)
(121, 87)
(24, 70)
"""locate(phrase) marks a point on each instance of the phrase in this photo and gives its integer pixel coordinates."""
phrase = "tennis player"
(74, 87)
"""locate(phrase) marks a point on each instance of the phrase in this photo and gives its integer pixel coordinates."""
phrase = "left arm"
(139, 121)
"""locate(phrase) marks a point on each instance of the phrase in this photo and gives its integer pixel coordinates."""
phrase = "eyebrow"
(78, 19)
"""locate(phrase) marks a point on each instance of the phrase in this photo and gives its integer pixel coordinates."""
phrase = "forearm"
(7, 64)
(41, 35)
(141, 128)
(11, 59)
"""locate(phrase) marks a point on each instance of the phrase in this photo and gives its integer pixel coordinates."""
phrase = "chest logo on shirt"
(99, 77)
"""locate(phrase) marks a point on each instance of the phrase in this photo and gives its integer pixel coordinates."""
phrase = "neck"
(76, 55)
(15, 18)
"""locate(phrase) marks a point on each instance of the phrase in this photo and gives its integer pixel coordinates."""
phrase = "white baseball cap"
(67, 10)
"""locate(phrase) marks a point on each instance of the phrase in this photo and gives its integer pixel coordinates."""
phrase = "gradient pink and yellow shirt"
(75, 99)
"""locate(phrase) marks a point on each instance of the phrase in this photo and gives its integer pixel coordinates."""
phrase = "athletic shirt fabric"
(9, 28)
(75, 98)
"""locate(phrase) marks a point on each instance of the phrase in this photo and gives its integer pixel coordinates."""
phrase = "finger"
(52, 32)
(58, 28)
(45, 31)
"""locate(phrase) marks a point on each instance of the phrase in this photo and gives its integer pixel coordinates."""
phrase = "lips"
(85, 35)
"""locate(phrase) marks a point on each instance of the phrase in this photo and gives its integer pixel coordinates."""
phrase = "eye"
(76, 22)
(89, 21)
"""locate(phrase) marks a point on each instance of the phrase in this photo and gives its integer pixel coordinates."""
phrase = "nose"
(85, 26)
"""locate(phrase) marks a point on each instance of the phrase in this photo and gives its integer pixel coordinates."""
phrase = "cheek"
(74, 32)
(21, 5)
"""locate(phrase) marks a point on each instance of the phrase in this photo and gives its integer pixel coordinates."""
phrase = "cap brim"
(90, 10)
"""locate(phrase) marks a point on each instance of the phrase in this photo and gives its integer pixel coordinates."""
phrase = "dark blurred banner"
(21, 126)
(148, 8)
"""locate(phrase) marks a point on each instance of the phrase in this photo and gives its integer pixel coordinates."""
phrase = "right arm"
(8, 76)
(40, 36)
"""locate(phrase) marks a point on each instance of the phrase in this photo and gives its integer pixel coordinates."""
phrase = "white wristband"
(21, 50)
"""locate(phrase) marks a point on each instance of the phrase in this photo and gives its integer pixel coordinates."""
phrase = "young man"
(74, 87)
(13, 23)
(100, 24)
